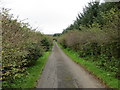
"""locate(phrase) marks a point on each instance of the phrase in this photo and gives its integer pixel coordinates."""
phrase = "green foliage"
(46, 43)
(34, 72)
(96, 13)
(106, 76)
(94, 44)
(21, 47)
(56, 34)
(95, 36)
(34, 52)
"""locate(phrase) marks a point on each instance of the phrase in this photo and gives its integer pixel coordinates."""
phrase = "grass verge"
(35, 71)
(104, 76)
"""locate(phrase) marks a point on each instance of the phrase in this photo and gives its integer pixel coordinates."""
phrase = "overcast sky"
(50, 16)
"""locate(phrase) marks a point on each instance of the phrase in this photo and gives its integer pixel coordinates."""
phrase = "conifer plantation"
(95, 36)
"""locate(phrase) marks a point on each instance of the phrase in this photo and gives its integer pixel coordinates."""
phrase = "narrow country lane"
(61, 72)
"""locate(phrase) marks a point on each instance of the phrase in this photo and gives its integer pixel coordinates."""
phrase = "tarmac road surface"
(61, 72)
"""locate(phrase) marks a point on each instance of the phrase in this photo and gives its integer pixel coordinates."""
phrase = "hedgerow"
(21, 47)
(95, 36)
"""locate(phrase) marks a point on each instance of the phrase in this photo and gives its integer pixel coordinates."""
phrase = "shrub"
(34, 52)
(46, 43)
(97, 44)
(21, 47)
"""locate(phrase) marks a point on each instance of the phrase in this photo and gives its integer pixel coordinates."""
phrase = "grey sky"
(50, 16)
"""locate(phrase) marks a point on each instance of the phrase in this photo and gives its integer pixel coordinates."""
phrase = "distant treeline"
(95, 35)
(21, 47)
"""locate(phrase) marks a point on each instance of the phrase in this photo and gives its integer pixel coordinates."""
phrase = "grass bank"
(104, 76)
(30, 81)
